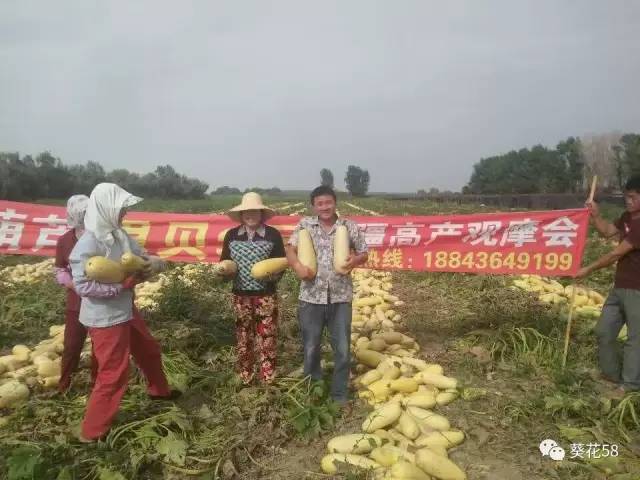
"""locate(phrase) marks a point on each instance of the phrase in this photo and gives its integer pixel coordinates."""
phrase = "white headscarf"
(76, 208)
(105, 204)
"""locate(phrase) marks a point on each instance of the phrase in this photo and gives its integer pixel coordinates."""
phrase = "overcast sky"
(267, 93)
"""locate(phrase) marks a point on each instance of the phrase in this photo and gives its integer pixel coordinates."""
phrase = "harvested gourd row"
(27, 368)
(403, 437)
(27, 273)
(588, 303)
(148, 293)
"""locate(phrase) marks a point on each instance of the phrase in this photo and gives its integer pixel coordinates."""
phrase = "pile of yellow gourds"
(403, 438)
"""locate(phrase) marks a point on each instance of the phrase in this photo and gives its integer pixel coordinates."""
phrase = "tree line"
(45, 176)
(356, 180)
(567, 168)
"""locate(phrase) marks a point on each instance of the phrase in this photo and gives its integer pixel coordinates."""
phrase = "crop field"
(487, 349)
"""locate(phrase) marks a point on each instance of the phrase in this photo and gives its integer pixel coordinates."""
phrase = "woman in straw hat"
(254, 302)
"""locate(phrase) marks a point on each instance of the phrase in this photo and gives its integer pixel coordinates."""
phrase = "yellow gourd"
(271, 266)
(50, 382)
(354, 443)
(446, 397)
(13, 393)
(226, 267)
(404, 385)
(408, 471)
(341, 249)
(48, 369)
(21, 352)
(306, 252)
(369, 357)
(388, 455)
(420, 399)
(446, 439)
(56, 330)
(438, 466)
(384, 416)
(104, 270)
(429, 419)
(329, 463)
(408, 426)
(436, 380)
(367, 302)
(132, 262)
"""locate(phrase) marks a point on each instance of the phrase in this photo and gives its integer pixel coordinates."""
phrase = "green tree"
(357, 181)
(571, 152)
(538, 170)
(26, 178)
(628, 157)
(130, 181)
(326, 177)
(87, 176)
(226, 190)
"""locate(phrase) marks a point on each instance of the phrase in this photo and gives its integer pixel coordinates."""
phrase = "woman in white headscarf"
(116, 328)
(74, 332)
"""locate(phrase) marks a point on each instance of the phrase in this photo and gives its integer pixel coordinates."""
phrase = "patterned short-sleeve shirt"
(328, 286)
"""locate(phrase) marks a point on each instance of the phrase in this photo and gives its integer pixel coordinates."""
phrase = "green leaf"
(174, 449)
(65, 474)
(136, 457)
(106, 474)
(25, 463)
(205, 412)
(179, 381)
(301, 421)
(575, 435)
(326, 420)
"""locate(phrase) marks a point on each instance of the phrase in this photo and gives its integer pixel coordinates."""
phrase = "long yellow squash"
(437, 466)
(270, 266)
(408, 471)
(104, 270)
(306, 252)
(12, 393)
(341, 249)
(354, 443)
(331, 462)
(446, 439)
(384, 416)
(132, 262)
(226, 267)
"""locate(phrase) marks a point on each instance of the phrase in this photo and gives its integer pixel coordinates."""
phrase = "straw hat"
(251, 201)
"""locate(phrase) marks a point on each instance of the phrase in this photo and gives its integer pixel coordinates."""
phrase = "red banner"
(547, 243)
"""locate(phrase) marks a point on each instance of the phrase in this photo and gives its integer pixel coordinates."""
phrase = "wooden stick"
(594, 182)
(567, 334)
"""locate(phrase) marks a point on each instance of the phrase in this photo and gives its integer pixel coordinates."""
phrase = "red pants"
(112, 347)
(74, 336)
(256, 323)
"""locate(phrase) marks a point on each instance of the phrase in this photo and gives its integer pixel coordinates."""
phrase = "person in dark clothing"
(623, 303)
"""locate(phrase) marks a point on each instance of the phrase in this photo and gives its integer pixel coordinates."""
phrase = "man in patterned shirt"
(325, 300)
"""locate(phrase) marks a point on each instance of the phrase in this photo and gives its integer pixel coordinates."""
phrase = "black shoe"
(174, 395)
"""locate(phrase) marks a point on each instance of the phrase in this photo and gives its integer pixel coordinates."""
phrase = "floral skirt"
(256, 335)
